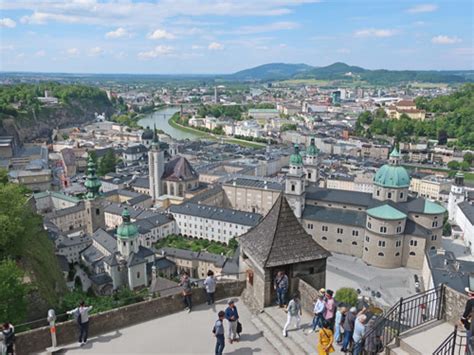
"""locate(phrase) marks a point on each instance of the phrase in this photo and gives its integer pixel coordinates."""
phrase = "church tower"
(156, 164)
(94, 209)
(127, 236)
(295, 183)
(456, 195)
(311, 163)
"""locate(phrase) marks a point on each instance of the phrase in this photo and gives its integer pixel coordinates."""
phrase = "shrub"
(347, 296)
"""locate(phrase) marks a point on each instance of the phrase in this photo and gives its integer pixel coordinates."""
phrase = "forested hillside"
(453, 118)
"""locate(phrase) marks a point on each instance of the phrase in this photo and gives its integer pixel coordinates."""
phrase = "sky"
(224, 36)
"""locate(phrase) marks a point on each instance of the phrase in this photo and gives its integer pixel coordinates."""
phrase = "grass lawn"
(245, 143)
(190, 130)
(176, 241)
(469, 177)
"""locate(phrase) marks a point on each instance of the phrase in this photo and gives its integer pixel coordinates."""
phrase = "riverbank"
(211, 136)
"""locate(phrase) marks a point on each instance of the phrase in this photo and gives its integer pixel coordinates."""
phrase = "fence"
(455, 344)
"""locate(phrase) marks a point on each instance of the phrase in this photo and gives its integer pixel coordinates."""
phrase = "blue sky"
(223, 36)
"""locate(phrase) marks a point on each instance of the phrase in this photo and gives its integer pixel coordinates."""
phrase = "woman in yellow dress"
(325, 340)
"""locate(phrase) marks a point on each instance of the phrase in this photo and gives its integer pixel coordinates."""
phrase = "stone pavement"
(179, 333)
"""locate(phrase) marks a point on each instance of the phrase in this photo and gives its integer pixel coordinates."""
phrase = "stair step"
(272, 338)
(398, 351)
(279, 318)
(418, 341)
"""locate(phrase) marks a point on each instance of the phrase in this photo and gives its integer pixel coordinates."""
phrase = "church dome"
(147, 134)
(392, 175)
(295, 158)
(312, 150)
(127, 229)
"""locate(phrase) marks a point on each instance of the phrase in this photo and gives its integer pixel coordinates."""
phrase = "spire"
(92, 183)
(395, 156)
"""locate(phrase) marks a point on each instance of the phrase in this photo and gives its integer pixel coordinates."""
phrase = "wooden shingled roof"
(279, 239)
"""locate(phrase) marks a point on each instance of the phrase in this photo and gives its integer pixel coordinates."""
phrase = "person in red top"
(330, 308)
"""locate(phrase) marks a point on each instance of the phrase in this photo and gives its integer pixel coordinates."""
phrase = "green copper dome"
(312, 150)
(127, 229)
(392, 176)
(92, 183)
(295, 158)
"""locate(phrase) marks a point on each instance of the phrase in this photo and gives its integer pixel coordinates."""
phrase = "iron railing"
(455, 344)
(406, 314)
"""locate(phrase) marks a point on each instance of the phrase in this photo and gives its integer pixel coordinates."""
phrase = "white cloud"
(422, 8)
(72, 52)
(215, 46)
(442, 39)
(40, 53)
(158, 51)
(118, 33)
(161, 34)
(7, 22)
(375, 32)
(96, 51)
(270, 27)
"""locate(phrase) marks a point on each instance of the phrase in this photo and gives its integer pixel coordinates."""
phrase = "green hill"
(272, 71)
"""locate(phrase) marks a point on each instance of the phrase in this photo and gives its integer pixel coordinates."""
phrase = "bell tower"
(93, 201)
(295, 183)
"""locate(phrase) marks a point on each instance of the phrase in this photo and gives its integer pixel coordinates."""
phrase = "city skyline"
(218, 37)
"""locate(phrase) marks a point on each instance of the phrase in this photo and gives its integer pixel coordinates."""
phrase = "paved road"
(179, 333)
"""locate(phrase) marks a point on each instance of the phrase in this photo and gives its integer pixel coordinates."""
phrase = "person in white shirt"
(318, 311)
(210, 285)
(81, 314)
(294, 313)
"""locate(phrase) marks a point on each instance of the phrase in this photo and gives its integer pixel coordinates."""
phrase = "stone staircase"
(422, 340)
(271, 322)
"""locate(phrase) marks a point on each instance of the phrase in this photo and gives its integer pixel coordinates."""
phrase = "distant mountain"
(345, 72)
(272, 71)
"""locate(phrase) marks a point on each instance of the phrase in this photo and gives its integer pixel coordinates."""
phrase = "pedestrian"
(294, 314)
(340, 314)
(330, 308)
(187, 291)
(359, 332)
(218, 331)
(8, 332)
(348, 327)
(210, 285)
(372, 341)
(81, 314)
(326, 339)
(232, 316)
(281, 287)
(466, 318)
(318, 311)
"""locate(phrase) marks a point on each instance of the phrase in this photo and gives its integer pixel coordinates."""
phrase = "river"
(160, 119)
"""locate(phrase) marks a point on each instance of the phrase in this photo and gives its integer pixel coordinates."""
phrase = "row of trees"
(235, 112)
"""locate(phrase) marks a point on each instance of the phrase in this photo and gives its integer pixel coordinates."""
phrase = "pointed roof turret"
(295, 158)
(312, 150)
(92, 183)
(127, 229)
(279, 239)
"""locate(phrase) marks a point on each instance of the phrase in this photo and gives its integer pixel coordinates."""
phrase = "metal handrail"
(455, 344)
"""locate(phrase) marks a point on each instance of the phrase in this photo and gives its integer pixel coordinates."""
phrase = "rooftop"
(386, 212)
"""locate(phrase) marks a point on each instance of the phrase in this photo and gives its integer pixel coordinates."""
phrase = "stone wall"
(454, 304)
(38, 340)
(307, 293)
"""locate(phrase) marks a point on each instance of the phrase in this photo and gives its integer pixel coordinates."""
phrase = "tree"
(347, 296)
(447, 229)
(453, 165)
(107, 163)
(469, 158)
(13, 292)
(3, 176)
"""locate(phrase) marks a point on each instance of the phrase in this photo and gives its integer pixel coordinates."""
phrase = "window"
(97, 211)
(355, 233)
(369, 225)
(382, 243)
(340, 231)
(401, 194)
(397, 253)
(383, 229)
(381, 254)
(324, 238)
(412, 253)
(435, 224)
(413, 243)
(366, 249)
(138, 274)
(339, 240)
(309, 175)
(434, 237)
(293, 187)
(378, 192)
(324, 228)
(310, 226)
(389, 195)
(399, 229)
(354, 243)
(367, 239)
(398, 243)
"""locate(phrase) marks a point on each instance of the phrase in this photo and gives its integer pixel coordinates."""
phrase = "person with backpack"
(8, 333)
(210, 286)
(294, 314)
(218, 331)
(187, 291)
(326, 339)
(81, 314)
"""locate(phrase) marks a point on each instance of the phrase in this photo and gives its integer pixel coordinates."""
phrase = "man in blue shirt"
(281, 287)
(219, 333)
(232, 317)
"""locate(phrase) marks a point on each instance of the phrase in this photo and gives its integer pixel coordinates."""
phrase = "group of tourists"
(187, 292)
(234, 327)
(334, 323)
